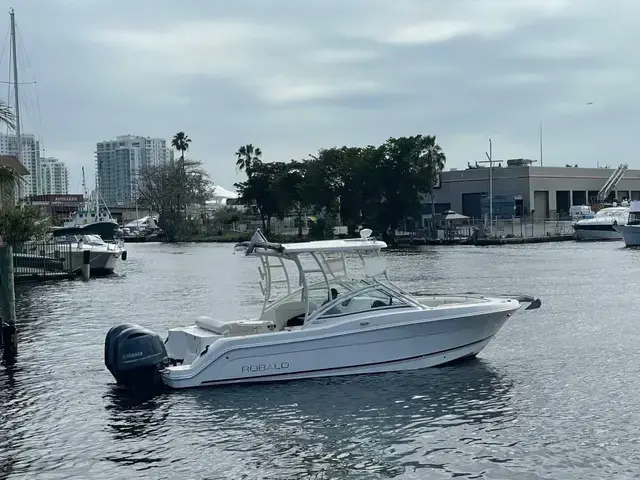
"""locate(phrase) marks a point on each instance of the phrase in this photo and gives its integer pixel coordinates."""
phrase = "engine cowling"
(135, 355)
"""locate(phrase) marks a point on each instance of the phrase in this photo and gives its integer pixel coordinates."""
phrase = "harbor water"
(554, 396)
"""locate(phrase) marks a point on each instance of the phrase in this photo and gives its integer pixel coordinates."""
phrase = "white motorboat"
(631, 231)
(339, 324)
(103, 257)
(602, 225)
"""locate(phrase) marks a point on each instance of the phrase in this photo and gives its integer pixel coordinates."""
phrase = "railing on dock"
(505, 228)
(36, 261)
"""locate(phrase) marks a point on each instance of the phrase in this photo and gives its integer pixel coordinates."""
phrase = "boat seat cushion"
(235, 328)
(286, 311)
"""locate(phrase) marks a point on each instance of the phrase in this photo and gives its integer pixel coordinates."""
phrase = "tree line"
(377, 186)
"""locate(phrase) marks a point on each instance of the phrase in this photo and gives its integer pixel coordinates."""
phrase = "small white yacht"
(602, 225)
(631, 231)
(104, 256)
(338, 324)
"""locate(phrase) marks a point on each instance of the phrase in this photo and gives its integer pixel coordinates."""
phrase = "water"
(553, 396)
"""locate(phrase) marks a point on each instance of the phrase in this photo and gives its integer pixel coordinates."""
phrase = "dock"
(520, 240)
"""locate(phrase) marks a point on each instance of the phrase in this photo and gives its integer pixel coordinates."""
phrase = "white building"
(119, 161)
(29, 157)
(55, 177)
(220, 196)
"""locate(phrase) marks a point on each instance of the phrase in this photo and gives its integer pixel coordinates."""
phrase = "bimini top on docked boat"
(338, 323)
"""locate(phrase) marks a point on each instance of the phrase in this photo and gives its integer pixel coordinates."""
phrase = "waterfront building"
(30, 159)
(520, 189)
(118, 163)
(55, 177)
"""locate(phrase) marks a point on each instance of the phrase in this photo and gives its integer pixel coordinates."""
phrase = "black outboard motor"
(135, 356)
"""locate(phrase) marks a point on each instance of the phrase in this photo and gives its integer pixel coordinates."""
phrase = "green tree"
(290, 190)
(380, 186)
(227, 215)
(170, 190)
(20, 223)
(181, 143)
(262, 192)
(247, 157)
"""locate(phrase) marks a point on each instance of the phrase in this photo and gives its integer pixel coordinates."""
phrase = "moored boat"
(631, 231)
(339, 323)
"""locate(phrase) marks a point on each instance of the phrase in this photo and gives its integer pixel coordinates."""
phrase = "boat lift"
(611, 183)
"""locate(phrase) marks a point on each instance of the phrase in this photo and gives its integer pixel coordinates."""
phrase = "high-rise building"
(118, 163)
(29, 157)
(55, 177)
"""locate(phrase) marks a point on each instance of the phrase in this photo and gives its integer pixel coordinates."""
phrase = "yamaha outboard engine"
(135, 355)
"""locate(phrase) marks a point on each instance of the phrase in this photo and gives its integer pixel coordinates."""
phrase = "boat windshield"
(65, 239)
(612, 212)
(93, 239)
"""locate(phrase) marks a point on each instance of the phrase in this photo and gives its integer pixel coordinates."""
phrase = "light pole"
(490, 162)
(540, 142)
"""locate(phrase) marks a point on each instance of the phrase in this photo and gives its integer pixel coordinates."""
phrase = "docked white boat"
(602, 225)
(631, 231)
(103, 257)
(339, 324)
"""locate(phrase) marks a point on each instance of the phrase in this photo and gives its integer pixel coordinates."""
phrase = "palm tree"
(247, 155)
(435, 160)
(181, 143)
(6, 116)
(9, 178)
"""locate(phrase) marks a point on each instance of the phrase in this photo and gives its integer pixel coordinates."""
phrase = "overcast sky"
(293, 76)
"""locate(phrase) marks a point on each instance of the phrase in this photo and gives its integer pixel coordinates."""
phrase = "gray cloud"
(295, 76)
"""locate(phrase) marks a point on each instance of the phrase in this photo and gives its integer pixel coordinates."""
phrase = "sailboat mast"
(15, 85)
(97, 200)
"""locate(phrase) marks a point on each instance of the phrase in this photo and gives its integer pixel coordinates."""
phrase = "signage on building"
(70, 198)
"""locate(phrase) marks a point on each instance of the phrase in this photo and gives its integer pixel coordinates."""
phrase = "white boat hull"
(102, 261)
(406, 345)
(630, 234)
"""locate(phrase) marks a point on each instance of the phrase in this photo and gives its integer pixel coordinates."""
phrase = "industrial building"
(520, 189)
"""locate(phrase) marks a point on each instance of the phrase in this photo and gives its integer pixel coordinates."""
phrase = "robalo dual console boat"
(337, 323)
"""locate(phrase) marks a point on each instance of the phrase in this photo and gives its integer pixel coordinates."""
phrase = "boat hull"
(630, 234)
(101, 262)
(369, 348)
(596, 233)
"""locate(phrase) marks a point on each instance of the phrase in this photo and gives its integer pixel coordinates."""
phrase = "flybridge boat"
(602, 225)
(336, 324)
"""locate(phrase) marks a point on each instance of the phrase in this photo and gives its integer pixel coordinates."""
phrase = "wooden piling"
(86, 264)
(9, 331)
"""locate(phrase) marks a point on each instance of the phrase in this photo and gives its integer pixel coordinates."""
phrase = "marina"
(493, 416)
(369, 298)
